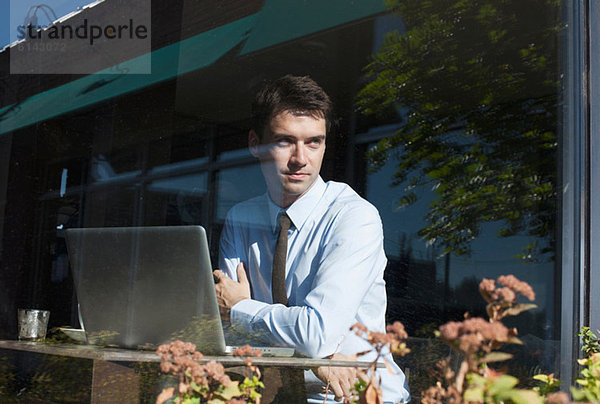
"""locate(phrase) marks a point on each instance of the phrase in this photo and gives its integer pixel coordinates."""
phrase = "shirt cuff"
(244, 311)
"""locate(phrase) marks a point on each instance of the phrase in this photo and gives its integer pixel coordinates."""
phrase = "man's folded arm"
(229, 253)
(350, 263)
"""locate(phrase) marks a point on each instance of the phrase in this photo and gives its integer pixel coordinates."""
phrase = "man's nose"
(298, 155)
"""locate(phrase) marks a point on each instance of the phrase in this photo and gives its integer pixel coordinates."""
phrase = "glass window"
(447, 120)
(236, 185)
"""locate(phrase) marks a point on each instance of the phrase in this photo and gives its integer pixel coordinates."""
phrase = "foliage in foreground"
(477, 340)
(590, 343)
(367, 388)
(589, 380)
(206, 383)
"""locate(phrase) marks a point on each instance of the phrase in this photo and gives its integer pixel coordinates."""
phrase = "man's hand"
(229, 292)
(340, 380)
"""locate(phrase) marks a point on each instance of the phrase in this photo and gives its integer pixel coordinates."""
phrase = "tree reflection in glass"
(476, 85)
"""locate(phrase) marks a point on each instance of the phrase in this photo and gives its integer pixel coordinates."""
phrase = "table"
(114, 381)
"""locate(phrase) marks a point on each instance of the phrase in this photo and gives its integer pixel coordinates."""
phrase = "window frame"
(580, 205)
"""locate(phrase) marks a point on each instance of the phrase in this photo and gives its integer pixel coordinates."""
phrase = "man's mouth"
(297, 176)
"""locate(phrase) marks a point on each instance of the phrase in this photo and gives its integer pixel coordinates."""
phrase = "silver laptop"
(139, 287)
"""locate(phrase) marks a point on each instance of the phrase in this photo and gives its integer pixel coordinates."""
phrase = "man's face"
(290, 154)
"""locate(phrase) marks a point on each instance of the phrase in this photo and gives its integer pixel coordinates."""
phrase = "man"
(330, 274)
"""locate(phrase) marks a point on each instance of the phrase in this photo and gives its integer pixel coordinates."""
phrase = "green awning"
(283, 20)
(279, 21)
(185, 56)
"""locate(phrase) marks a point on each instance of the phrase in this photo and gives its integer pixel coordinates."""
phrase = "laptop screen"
(144, 286)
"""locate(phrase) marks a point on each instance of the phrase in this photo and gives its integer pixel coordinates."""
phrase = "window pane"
(447, 119)
(464, 171)
(236, 185)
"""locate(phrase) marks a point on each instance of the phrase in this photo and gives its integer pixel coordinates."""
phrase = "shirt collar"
(298, 211)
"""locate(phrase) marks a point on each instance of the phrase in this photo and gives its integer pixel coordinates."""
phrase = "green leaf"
(474, 394)
(503, 384)
(578, 395)
(495, 357)
(475, 380)
(525, 397)
(197, 388)
(407, 200)
(227, 393)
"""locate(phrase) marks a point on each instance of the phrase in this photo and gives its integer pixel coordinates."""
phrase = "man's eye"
(284, 142)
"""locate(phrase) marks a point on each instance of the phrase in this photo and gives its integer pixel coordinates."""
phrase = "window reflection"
(421, 264)
(466, 183)
(236, 185)
(103, 170)
(185, 197)
(233, 145)
(448, 110)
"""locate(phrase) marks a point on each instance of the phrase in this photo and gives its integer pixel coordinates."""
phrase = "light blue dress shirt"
(334, 275)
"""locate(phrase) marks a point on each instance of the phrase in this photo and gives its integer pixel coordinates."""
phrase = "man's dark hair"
(297, 94)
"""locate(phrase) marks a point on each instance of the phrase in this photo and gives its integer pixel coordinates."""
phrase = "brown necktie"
(279, 255)
(291, 380)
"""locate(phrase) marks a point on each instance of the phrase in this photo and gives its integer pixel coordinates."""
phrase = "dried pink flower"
(378, 338)
(359, 328)
(470, 343)
(492, 294)
(474, 334)
(393, 337)
(216, 371)
(515, 284)
(507, 295)
(397, 329)
(488, 285)
(437, 395)
(474, 324)
(247, 350)
(487, 288)
(450, 330)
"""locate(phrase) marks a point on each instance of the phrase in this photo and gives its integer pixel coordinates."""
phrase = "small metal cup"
(33, 324)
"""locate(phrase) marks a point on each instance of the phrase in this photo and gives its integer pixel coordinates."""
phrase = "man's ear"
(253, 143)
